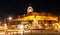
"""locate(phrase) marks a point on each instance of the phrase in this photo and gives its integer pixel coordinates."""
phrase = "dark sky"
(16, 7)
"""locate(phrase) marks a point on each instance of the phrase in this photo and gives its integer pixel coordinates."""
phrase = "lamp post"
(5, 21)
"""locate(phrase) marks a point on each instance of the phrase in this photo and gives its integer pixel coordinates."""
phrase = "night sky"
(18, 7)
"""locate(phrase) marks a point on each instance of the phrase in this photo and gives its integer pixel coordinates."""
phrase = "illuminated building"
(35, 20)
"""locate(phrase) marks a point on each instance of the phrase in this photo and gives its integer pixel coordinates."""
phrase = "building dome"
(29, 9)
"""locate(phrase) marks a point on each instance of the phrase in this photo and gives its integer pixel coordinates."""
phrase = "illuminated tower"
(29, 9)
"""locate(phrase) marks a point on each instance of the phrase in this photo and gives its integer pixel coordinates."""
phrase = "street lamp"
(9, 18)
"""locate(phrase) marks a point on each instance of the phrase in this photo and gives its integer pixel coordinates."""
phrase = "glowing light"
(2, 32)
(30, 10)
(28, 31)
(10, 18)
(22, 27)
(46, 24)
(5, 26)
(56, 27)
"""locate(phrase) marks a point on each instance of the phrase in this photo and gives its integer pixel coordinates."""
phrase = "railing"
(33, 32)
(18, 33)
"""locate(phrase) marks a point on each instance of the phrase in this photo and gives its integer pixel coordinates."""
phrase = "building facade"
(34, 20)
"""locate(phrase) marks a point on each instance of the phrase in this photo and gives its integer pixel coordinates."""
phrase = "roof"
(39, 16)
